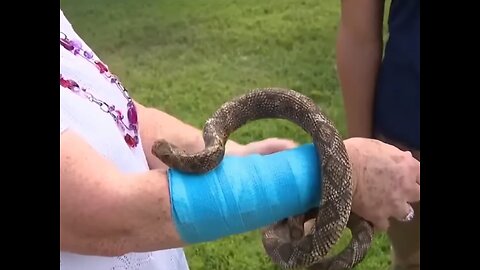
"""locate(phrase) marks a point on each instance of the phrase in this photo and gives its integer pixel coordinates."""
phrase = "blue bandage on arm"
(244, 193)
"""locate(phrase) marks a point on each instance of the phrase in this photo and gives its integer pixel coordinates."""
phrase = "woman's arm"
(105, 212)
(155, 124)
(359, 54)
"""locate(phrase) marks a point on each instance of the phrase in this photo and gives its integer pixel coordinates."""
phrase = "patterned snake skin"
(285, 241)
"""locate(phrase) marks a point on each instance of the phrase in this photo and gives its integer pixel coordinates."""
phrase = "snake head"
(163, 149)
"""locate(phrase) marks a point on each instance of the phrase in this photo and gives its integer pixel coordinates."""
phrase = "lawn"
(188, 57)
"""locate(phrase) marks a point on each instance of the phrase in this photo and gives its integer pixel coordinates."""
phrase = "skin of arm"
(109, 213)
(155, 124)
(359, 54)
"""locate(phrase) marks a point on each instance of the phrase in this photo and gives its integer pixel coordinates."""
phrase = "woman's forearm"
(106, 212)
(148, 206)
(176, 209)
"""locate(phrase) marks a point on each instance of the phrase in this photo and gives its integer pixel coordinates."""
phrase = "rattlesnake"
(285, 241)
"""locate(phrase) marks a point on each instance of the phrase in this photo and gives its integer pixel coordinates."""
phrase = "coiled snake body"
(285, 241)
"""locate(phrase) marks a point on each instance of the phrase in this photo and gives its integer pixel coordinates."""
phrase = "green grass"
(188, 57)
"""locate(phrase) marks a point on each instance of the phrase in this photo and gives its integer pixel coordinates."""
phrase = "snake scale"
(285, 241)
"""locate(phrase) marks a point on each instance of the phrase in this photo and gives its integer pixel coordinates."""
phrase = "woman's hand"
(386, 180)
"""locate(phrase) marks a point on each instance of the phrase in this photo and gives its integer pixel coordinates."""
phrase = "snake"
(286, 241)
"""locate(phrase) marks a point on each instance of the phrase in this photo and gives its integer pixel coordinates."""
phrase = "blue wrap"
(244, 193)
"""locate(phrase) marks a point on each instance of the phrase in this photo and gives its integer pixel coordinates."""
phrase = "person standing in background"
(382, 94)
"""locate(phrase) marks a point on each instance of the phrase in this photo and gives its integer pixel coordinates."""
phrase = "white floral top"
(97, 126)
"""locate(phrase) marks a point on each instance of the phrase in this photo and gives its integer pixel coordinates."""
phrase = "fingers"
(411, 187)
(275, 145)
(413, 182)
(270, 146)
(417, 171)
(413, 193)
(404, 213)
(296, 226)
(382, 225)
